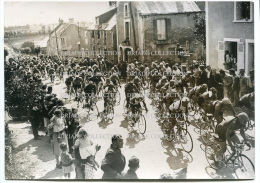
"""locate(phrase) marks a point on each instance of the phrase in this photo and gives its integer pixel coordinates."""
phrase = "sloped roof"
(165, 7)
(111, 23)
(60, 28)
(110, 9)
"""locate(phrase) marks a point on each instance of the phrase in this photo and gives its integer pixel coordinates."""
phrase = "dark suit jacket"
(113, 163)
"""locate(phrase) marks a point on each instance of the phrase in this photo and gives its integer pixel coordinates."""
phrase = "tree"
(200, 28)
(37, 50)
(28, 44)
(6, 53)
(26, 50)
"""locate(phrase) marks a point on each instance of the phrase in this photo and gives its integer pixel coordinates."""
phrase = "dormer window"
(126, 10)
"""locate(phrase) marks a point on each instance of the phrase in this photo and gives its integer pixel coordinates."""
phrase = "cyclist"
(77, 84)
(220, 107)
(178, 109)
(207, 97)
(196, 91)
(138, 83)
(109, 93)
(226, 131)
(130, 89)
(90, 91)
(135, 104)
(247, 103)
(115, 79)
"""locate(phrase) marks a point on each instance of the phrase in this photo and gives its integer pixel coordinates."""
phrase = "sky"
(22, 13)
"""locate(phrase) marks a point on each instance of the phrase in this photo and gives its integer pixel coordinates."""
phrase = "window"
(63, 41)
(93, 34)
(126, 10)
(127, 31)
(243, 12)
(98, 34)
(105, 37)
(161, 29)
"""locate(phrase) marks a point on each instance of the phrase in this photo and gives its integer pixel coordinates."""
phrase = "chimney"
(60, 21)
(71, 20)
(112, 4)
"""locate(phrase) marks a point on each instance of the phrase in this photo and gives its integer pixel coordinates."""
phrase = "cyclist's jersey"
(114, 79)
(90, 88)
(135, 103)
(130, 88)
(77, 81)
(69, 80)
(248, 101)
(96, 79)
(177, 106)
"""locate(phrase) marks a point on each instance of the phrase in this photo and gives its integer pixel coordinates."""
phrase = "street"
(157, 156)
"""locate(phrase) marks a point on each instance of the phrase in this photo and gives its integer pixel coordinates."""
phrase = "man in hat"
(243, 83)
(34, 116)
(196, 74)
(133, 166)
(228, 82)
(203, 76)
(114, 162)
(251, 81)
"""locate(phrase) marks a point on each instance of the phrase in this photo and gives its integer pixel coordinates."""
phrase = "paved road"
(157, 156)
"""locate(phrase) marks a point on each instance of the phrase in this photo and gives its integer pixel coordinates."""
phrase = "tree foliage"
(28, 44)
(37, 50)
(200, 28)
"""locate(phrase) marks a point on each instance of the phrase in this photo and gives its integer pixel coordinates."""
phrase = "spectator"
(219, 84)
(251, 81)
(66, 160)
(228, 82)
(114, 162)
(133, 166)
(203, 76)
(196, 74)
(34, 116)
(243, 82)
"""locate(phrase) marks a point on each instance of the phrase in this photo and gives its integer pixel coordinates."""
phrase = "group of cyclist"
(175, 90)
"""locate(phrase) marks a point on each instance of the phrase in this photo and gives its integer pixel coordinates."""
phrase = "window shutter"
(168, 28)
(155, 29)
(221, 54)
(240, 56)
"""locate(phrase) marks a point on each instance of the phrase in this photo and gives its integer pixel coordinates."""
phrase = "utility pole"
(56, 40)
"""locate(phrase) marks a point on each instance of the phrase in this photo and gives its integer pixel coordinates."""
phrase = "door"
(221, 55)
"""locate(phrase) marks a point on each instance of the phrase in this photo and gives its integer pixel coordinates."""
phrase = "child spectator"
(133, 165)
(66, 160)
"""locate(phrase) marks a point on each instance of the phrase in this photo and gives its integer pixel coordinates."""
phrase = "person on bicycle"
(196, 91)
(135, 105)
(52, 74)
(61, 70)
(138, 83)
(247, 103)
(109, 93)
(219, 107)
(227, 132)
(130, 89)
(90, 91)
(115, 79)
(178, 109)
(207, 97)
(77, 84)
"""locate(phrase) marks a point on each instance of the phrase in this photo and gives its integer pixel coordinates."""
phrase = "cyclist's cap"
(133, 162)
(116, 137)
(57, 111)
(242, 118)
(63, 146)
(226, 101)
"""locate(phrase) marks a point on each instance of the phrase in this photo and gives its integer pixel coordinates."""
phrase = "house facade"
(153, 30)
(100, 38)
(64, 39)
(230, 29)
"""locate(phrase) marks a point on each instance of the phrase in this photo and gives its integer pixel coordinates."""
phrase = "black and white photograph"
(136, 90)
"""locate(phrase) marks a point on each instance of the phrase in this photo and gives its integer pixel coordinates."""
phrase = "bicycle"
(238, 162)
(91, 105)
(180, 135)
(208, 129)
(139, 119)
(109, 115)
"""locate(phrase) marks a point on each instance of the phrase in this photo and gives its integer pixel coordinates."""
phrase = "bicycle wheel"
(142, 124)
(118, 97)
(186, 140)
(244, 168)
(207, 134)
(110, 112)
(210, 152)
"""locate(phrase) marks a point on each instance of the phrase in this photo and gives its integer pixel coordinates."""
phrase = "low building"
(64, 39)
(230, 30)
(100, 38)
(153, 30)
